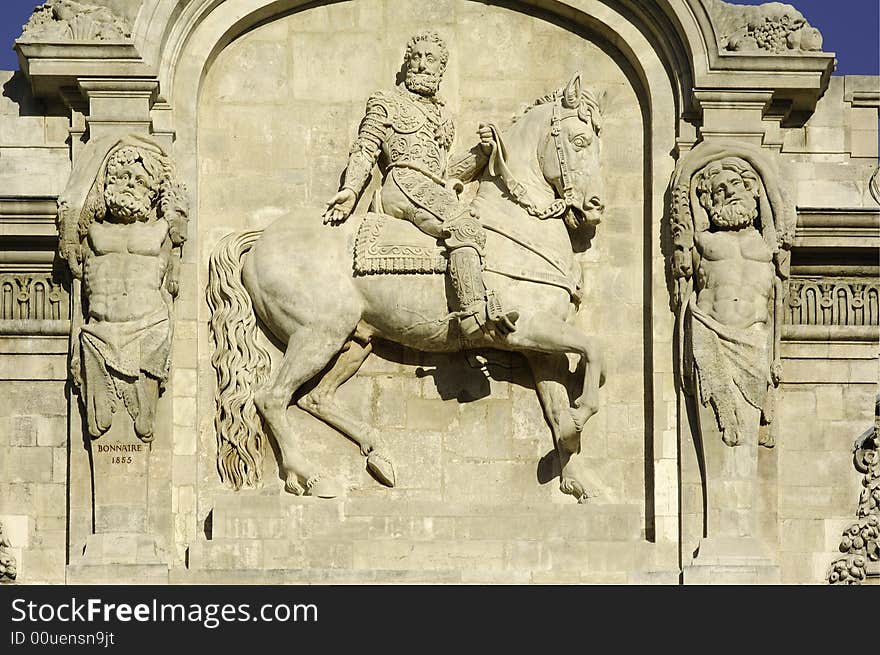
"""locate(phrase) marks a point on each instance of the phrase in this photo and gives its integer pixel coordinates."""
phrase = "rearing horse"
(543, 181)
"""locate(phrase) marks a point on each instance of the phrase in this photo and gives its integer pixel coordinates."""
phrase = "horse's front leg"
(545, 333)
(549, 372)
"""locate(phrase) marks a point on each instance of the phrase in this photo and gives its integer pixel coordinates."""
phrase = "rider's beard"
(127, 207)
(425, 84)
(735, 214)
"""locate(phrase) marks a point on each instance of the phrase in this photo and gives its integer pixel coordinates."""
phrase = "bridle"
(498, 165)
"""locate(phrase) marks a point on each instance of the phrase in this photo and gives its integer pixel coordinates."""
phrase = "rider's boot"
(479, 308)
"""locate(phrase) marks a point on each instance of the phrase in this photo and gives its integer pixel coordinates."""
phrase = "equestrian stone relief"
(513, 283)
(122, 221)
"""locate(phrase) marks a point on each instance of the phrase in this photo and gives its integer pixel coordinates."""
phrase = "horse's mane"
(543, 100)
(594, 110)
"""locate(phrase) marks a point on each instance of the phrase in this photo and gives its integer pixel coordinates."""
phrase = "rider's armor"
(410, 137)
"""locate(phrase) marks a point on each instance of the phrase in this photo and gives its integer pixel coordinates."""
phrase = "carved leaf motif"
(68, 20)
(8, 567)
(860, 542)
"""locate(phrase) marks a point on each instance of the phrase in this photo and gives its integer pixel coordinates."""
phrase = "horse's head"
(569, 154)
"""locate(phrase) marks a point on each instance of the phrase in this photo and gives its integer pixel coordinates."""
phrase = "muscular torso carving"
(123, 277)
(128, 261)
(731, 312)
(734, 277)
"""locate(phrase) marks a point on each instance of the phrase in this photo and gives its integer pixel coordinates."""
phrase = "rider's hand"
(340, 207)
(487, 138)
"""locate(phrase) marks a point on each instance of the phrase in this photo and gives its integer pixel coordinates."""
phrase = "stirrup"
(505, 322)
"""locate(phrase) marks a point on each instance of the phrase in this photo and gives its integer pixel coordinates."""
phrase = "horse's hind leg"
(321, 403)
(308, 351)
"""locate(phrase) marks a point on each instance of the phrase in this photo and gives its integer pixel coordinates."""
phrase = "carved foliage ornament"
(771, 28)
(860, 542)
(833, 301)
(8, 566)
(67, 20)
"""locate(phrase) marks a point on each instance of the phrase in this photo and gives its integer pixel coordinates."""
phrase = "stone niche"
(251, 108)
(278, 111)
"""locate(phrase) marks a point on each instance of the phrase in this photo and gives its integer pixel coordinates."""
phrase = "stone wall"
(33, 475)
(34, 308)
(275, 109)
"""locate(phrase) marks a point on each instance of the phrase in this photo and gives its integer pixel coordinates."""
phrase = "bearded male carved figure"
(123, 221)
(732, 230)
(409, 132)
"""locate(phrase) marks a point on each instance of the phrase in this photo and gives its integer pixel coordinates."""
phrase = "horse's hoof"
(382, 468)
(321, 487)
(574, 488)
(292, 486)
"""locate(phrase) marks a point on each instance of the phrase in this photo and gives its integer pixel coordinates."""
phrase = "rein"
(498, 167)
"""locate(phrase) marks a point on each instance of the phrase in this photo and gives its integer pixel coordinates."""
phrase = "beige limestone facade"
(445, 459)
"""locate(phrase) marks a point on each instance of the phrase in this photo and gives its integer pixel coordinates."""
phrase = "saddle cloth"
(385, 244)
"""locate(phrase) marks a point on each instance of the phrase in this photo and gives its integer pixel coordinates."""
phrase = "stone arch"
(653, 61)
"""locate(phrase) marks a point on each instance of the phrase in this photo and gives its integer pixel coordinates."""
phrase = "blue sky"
(851, 29)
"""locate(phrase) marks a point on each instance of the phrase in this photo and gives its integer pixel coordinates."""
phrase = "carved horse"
(541, 186)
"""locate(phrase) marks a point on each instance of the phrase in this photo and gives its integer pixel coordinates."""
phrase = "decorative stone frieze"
(67, 20)
(8, 565)
(32, 297)
(830, 301)
(860, 542)
(772, 28)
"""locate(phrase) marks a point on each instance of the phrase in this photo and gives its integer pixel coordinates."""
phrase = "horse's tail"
(241, 363)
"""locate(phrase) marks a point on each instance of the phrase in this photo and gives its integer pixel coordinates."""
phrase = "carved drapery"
(827, 301)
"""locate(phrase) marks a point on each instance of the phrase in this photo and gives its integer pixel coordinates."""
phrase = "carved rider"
(409, 132)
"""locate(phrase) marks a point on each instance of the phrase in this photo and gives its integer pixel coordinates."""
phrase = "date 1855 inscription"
(120, 453)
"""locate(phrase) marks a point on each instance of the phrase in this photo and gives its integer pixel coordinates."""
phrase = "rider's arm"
(367, 146)
(468, 165)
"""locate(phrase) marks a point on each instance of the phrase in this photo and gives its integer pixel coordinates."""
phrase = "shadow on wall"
(17, 90)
